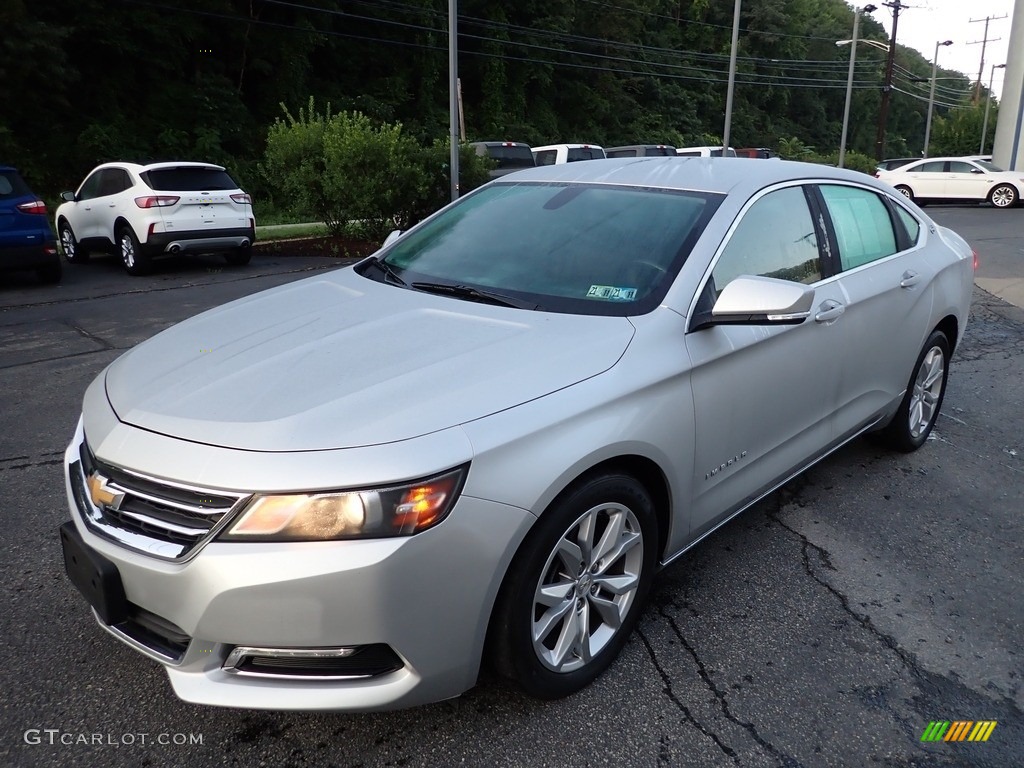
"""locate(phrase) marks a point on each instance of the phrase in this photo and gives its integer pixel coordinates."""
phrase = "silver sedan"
(480, 444)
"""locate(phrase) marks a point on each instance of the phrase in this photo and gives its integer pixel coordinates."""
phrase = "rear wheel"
(239, 257)
(1003, 196)
(73, 251)
(905, 191)
(920, 407)
(135, 262)
(50, 273)
(576, 587)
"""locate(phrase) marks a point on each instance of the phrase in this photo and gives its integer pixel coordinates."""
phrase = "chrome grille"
(160, 518)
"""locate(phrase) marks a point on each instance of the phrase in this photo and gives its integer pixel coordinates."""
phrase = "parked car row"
(511, 156)
(949, 179)
(137, 212)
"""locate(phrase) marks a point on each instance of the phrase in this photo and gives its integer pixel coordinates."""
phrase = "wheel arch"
(950, 327)
(120, 222)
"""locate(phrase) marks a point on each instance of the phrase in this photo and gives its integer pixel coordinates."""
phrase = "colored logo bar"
(959, 730)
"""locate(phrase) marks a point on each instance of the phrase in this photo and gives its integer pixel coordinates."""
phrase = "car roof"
(723, 175)
(569, 146)
(138, 168)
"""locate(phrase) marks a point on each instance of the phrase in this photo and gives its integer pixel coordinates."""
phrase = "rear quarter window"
(188, 179)
(12, 186)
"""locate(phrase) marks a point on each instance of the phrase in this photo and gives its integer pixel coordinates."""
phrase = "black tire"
(73, 250)
(906, 191)
(50, 273)
(239, 257)
(134, 259)
(603, 500)
(1003, 196)
(919, 409)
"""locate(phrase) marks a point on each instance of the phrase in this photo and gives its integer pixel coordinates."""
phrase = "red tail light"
(974, 253)
(156, 201)
(36, 206)
(242, 199)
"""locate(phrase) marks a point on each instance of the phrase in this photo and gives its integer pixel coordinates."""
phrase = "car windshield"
(574, 248)
(989, 166)
(187, 179)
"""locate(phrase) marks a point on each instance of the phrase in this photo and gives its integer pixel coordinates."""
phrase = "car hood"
(340, 361)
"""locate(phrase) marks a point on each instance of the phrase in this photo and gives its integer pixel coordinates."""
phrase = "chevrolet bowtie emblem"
(103, 495)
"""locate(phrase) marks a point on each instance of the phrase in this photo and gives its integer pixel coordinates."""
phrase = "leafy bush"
(349, 172)
(854, 161)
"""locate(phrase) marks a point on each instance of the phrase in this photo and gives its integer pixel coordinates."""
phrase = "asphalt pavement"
(826, 626)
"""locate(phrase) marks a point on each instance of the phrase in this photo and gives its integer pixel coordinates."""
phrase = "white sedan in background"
(956, 178)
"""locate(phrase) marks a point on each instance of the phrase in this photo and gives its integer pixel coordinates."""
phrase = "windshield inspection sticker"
(611, 293)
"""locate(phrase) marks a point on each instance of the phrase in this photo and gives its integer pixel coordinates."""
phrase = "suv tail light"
(156, 201)
(242, 199)
(35, 206)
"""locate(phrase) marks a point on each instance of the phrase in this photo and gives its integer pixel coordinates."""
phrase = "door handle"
(829, 310)
(910, 279)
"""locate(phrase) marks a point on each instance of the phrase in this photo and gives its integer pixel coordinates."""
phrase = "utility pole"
(883, 110)
(984, 42)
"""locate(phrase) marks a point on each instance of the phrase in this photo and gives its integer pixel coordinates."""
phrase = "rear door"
(885, 280)
(927, 179)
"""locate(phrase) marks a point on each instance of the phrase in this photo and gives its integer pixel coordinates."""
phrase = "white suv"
(140, 212)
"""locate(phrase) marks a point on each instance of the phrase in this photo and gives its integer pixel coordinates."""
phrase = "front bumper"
(427, 598)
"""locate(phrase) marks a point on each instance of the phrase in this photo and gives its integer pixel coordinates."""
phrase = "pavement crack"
(30, 464)
(788, 761)
(90, 336)
(679, 704)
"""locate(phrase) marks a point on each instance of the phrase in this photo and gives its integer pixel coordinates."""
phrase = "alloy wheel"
(927, 391)
(1003, 197)
(127, 250)
(67, 242)
(587, 586)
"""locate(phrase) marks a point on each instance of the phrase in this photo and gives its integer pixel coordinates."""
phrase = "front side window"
(91, 186)
(774, 238)
(575, 248)
(862, 224)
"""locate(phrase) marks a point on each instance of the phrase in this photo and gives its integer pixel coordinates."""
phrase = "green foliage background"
(85, 81)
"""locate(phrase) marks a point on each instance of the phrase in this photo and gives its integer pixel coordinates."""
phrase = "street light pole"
(988, 104)
(453, 94)
(931, 94)
(849, 81)
(732, 77)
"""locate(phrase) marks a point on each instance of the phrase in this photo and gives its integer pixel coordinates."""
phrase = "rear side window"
(190, 179)
(622, 153)
(862, 225)
(912, 225)
(12, 185)
(660, 151)
(547, 157)
(938, 166)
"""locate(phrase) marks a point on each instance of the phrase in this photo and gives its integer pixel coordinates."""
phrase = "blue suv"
(26, 239)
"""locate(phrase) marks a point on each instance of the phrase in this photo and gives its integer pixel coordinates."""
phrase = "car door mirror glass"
(749, 300)
(68, 197)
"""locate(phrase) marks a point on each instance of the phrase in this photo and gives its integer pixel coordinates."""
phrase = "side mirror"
(67, 197)
(395, 234)
(751, 300)
(976, 170)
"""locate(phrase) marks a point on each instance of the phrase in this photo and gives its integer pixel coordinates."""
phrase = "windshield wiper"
(475, 294)
(388, 270)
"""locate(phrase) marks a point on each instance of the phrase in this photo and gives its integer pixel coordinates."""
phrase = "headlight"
(399, 511)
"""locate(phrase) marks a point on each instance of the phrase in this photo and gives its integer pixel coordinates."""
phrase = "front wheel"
(905, 191)
(576, 587)
(1003, 196)
(135, 262)
(73, 250)
(920, 406)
